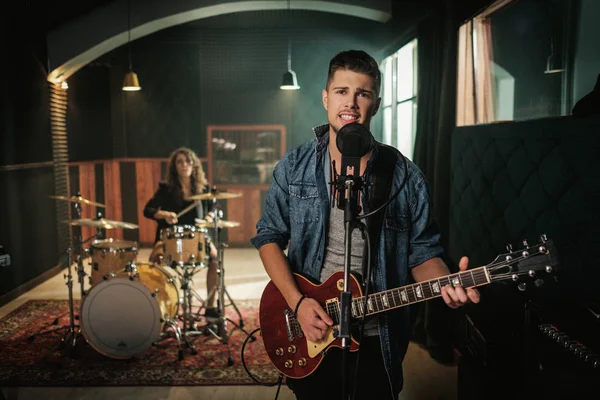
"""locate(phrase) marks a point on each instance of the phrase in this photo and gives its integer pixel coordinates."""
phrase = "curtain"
(436, 105)
(436, 119)
(465, 95)
(475, 86)
(444, 51)
(483, 70)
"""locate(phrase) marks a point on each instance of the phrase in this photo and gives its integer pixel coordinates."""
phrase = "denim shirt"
(296, 213)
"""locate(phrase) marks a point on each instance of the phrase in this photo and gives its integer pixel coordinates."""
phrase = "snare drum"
(123, 315)
(184, 245)
(110, 255)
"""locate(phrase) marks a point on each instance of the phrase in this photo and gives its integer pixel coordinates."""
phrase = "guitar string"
(410, 289)
(396, 294)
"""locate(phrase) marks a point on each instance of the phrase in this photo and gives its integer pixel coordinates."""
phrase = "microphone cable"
(369, 277)
(404, 179)
(269, 384)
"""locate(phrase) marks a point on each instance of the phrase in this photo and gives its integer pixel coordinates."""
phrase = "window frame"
(391, 132)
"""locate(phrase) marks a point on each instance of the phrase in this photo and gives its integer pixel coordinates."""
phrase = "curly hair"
(198, 178)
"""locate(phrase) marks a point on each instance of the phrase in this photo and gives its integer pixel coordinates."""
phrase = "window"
(399, 101)
(512, 61)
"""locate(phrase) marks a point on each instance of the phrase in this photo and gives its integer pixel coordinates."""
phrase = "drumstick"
(188, 208)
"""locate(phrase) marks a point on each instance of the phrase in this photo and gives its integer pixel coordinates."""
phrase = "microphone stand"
(350, 186)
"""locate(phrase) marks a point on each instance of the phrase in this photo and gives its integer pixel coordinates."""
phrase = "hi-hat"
(215, 196)
(202, 223)
(101, 223)
(77, 199)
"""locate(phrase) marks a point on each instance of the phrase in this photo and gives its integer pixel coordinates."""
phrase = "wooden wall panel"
(148, 175)
(87, 188)
(112, 196)
(246, 210)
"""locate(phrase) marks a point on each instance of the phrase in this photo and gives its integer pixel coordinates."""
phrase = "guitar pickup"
(289, 320)
(292, 326)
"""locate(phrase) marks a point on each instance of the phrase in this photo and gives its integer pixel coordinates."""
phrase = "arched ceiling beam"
(73, 45)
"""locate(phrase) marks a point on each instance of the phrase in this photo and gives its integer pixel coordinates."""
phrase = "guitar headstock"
(531, 262)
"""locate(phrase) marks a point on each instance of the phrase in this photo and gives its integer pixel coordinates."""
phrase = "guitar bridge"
(292, 326)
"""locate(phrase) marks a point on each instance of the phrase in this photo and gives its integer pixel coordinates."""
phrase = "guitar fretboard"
(410, 294)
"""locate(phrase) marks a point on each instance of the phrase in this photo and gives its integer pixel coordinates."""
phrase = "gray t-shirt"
(335, 249)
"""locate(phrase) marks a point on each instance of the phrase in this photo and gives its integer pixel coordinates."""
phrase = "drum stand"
(72, 330)
(189, 321)
(219, 329)
(190, 328)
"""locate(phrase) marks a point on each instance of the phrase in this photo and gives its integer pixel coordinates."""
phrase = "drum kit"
(133, 305)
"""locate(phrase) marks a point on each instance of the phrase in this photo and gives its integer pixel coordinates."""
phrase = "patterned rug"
(44, 363)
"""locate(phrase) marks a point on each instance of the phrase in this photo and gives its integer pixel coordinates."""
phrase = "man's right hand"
(313, 320)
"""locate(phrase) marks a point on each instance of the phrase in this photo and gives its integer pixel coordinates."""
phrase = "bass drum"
(123, 315)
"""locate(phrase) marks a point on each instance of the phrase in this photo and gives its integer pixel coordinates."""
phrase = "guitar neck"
(410, 294)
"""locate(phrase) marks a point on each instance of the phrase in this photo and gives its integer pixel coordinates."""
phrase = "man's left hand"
(457, 296)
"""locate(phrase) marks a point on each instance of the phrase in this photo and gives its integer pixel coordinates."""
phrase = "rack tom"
(110, 255)
(184, 245)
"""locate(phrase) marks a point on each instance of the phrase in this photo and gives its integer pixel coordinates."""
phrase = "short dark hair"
(357, 61)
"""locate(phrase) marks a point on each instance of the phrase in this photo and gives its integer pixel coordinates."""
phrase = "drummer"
(185, 178)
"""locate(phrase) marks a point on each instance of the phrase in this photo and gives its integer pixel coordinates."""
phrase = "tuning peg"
(548, 269)
(531, 273)
(522, 286)
(525, 243)
(509, 248)
(543, 238)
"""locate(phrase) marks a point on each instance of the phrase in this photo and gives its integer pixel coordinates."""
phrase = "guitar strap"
(382, 171)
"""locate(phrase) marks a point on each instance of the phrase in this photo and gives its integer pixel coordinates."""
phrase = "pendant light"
(554, 63)
(289, 80)
(131, 82)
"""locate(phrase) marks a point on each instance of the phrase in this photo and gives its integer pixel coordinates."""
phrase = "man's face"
(350, 97)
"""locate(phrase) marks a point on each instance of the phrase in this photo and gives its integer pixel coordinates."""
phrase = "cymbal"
(77, 199)
(201, 223)
(102, 223)
(215, 196)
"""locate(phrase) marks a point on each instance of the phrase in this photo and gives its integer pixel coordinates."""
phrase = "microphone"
(353, 141)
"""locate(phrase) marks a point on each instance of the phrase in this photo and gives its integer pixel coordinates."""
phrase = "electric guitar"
(296, 357)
